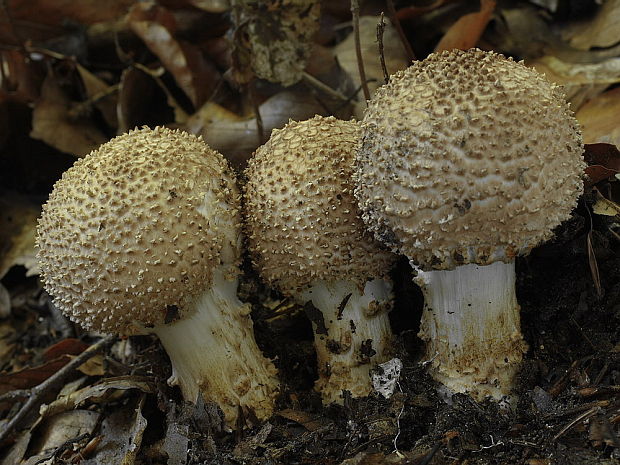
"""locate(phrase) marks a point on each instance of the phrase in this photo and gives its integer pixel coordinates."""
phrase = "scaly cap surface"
(130, 234)
(467, 157)
(302, 221)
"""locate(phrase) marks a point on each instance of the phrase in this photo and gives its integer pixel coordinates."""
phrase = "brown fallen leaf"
(100, 94)
(467, 30)
(311, 422)
(600, 31)
(194, 74)
(603, 162)
(600, 118)
(581, 81)
(18, 221)
(52, 122)
(39, 20)
(30, 377)
(69, 346)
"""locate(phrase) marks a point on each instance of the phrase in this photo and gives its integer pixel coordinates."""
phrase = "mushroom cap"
(302, 221)
(131, 233)
(467, 157)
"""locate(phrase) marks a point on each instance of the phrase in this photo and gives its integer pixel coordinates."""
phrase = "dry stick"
(355, 11)
(380, 31)
(399, 29)
(314, 82)
(37, 392)
(590, 413)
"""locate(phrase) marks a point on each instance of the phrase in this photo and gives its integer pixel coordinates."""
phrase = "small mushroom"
(468, 160)
(306, 239)
(143, 236)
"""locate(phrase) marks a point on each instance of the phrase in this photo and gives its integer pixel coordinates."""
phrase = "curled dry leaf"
(273, 39)
(156, 26)
(18, 221)
(98, 393)
(581, 81)
(600, 31)
(100, 94)
(600, 118)
(236, 137)
(122, 434)
(467, 30)
(65, 427)
(53, 124)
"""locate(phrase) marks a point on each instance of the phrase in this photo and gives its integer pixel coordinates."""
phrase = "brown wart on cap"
(306, 239)
(469, 159)
(143, 236)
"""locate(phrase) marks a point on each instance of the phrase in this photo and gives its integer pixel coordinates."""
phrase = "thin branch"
(399, 29)
(380, 31)
(355, 11)
(314, 82)
(38, 392)
(260, 128)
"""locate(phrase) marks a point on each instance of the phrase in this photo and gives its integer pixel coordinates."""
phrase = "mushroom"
(468, 160)
(143, 236)
(306, 239)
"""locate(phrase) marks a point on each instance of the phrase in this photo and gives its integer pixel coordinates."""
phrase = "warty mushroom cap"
(131, 233)
(303, 223)
(467, 157)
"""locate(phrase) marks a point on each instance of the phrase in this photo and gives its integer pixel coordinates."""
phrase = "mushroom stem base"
(471, 327)
(352, 334)
(213, 352)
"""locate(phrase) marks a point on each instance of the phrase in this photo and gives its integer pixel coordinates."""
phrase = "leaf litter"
(74, 74)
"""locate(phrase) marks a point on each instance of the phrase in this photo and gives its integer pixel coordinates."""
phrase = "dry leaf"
(605, 207)
(102, 95)
(467, 30)
(235, 137)
(600, 118)
(581, 81)
(69, 346)
(122, 434)
(30, 377)
(601, 31)
(273, 39)
(111, 388)
(603, 162)
(57, 430)
(18, 222)
(39, 20)
(393, 51)
(52, 122)
(156, 26)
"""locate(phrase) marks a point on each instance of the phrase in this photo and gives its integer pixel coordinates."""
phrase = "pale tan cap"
(131, 233)
(302, 221)
(467, 157)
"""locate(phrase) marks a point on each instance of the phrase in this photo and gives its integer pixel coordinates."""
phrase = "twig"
(399, 29)
(37, 393)
(584, 416)
(380, 31)
(355, 11)
(314, 82)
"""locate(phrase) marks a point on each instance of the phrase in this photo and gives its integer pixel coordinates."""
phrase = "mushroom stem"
(213, 352)
(471, 328)
(352, 336)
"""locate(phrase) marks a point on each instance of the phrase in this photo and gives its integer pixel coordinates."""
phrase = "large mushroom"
(307, 240)
(143, 236)
(468, 160)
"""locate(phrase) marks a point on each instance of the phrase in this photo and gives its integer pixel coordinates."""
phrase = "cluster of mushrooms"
(462, 162)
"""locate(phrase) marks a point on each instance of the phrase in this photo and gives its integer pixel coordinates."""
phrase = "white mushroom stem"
(213, 352)
(471, 327)
(353, 337)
